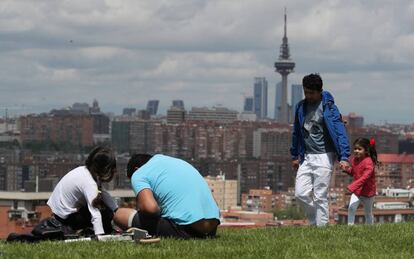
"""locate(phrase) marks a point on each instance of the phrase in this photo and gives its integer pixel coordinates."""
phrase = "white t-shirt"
(75, 190)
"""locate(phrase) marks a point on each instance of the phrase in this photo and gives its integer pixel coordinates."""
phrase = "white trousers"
(312, 184)
(353, 206)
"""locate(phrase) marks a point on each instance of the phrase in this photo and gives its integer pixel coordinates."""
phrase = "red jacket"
(364, 177)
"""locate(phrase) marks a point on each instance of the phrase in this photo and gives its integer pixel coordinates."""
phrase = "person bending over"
(78, 200)
(173, 199)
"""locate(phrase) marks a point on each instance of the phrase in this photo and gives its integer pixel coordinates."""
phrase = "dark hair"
(312, 82)
(136, 161)
(101, 164)
(369, 146)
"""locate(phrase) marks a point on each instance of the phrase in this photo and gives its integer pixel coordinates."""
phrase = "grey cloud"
(204, 52)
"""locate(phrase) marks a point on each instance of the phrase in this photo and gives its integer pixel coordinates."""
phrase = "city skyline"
(124, 53)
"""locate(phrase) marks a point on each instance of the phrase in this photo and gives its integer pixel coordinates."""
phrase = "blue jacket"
(333, 122)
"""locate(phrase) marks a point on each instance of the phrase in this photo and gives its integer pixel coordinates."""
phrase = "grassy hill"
(378, 241)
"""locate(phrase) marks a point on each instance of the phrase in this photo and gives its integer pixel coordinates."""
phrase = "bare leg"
(122, 217)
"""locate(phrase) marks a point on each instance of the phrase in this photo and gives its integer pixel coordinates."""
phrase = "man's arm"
(295, 137)
(340, 129)
(146, 203)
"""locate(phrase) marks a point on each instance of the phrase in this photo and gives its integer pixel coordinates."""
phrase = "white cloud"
(204, 52)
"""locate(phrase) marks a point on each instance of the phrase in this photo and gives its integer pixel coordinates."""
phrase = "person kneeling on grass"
(78, 200)
(173, 199)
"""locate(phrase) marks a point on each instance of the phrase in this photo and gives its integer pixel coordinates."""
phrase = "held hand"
(295, 164)
(344, 165)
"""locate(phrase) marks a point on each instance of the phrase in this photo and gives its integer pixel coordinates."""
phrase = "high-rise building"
(278, 101)
(176, 115)
(152, 107)
(275, 173)
(129, 111)
(72, 129)
(248, 104)
(143, 114)
(268, 143)
(120, 135)
(134, 135)
(284, 65)
(220, 114)
(178, 104)
(260, 97)
(100, 123)
(297, 96)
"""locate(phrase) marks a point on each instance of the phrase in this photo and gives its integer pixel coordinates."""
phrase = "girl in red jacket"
(363, 187)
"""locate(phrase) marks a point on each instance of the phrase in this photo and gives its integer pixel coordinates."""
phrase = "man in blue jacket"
(319, 136)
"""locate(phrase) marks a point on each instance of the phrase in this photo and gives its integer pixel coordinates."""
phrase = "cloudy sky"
(125, 52)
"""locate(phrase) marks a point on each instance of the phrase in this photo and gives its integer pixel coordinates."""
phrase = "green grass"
(378, 241)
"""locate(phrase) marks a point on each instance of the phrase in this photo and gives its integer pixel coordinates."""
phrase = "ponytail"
(101, 163)
(98, 201)
(373, 151)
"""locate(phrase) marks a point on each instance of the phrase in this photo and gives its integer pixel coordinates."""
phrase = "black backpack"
(47, 229)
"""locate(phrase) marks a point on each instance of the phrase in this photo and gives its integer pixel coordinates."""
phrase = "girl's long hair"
(101, 163)
(368, 145)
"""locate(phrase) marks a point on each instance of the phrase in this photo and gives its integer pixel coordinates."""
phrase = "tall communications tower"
(284, 65)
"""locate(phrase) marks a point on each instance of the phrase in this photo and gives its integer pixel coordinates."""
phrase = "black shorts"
(82, 219)
(168, 228)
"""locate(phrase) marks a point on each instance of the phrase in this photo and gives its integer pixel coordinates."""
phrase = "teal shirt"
(181, 192)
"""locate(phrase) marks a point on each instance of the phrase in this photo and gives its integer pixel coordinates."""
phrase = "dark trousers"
(82, 219)
(164, 227)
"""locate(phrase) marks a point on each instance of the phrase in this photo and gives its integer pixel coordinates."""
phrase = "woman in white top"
(78, 200)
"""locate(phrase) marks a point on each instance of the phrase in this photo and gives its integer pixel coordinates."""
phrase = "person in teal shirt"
(172, 199)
